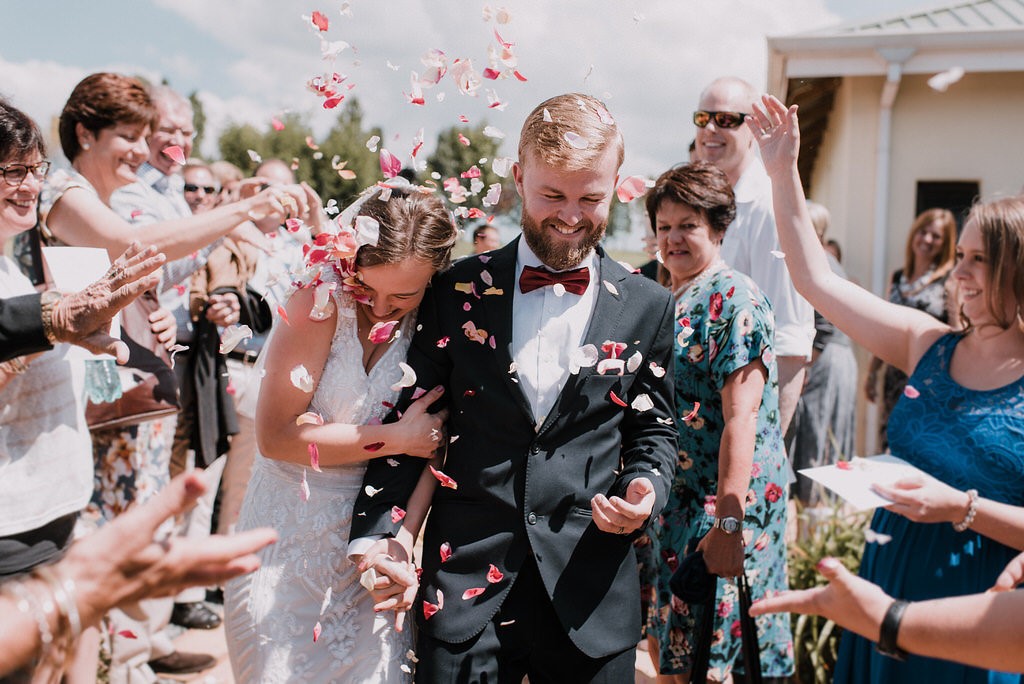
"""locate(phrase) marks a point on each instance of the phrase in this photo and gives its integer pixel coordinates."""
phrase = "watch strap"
(47, 303)
(890, 630)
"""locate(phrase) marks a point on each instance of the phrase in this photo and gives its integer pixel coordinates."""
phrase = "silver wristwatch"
(728, 524)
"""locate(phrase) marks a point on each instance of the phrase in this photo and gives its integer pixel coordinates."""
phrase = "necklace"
(712, 268)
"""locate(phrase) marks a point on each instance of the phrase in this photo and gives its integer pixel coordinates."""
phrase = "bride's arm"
(308, 343)
(419, 504)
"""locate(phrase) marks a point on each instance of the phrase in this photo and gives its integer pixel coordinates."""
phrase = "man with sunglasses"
(749, 243)
(200, 187)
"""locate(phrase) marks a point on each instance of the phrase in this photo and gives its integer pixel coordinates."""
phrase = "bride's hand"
(777, 131)
(395, 584)
(422, 431)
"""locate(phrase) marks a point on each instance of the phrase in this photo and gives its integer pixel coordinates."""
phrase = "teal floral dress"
(723, 323)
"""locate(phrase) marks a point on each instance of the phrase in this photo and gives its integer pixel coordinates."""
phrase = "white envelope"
(853, 481)
(75, 268)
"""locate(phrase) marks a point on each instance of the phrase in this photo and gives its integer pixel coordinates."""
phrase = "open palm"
(777, 132)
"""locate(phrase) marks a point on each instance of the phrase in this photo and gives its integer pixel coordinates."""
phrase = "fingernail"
(828, 563)
(439, 388)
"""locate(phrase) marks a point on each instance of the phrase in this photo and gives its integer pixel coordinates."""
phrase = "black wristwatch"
(890, 631)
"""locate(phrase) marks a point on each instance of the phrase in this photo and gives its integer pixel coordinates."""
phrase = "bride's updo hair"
(412, 224)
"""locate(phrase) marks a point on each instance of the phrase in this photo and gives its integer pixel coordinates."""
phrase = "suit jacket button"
(532, 518)
(535, 450)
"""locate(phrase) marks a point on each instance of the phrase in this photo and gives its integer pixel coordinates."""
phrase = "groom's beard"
(555, 253)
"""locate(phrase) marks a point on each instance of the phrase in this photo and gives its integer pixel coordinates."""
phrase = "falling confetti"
(408, 377)
(175, 153)
(301, 379)
(232, 337)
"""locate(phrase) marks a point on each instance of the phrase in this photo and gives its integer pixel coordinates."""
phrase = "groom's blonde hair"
(579, 132)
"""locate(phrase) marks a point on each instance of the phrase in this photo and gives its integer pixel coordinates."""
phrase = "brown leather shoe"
(179, 663)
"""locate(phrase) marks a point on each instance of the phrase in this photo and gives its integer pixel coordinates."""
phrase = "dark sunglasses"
(208, 189)
(15, 174)
(722, 119)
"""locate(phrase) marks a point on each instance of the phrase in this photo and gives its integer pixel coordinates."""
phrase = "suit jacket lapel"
(498, 309)
(611, 300)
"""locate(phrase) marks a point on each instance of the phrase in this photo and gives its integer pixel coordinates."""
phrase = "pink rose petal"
(445, 480)
(314, 456)
(494, 575)
(175, 153)
(472, 593)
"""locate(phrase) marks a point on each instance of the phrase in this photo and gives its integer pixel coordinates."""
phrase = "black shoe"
(215, 596)
(194, 616)
(179, 663)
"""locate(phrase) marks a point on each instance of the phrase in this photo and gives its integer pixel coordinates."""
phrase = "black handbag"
(695, 586)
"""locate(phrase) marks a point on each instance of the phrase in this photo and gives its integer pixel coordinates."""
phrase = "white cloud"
(650, 71)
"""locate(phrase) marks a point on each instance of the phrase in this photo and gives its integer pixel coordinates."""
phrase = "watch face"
(730, 525)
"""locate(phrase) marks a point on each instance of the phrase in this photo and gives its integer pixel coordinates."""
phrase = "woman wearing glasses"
(961, 418)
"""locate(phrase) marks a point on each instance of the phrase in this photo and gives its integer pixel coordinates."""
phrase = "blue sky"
(250, 58)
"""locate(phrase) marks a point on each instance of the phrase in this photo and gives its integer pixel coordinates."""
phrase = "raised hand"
(624, 516)
(83, 318)
(1011, 576)
(777, 132)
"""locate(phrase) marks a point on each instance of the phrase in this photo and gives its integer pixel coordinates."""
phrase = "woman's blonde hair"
(943, 263)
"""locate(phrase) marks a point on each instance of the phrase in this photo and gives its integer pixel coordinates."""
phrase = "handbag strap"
(751, 648)
(702, 640)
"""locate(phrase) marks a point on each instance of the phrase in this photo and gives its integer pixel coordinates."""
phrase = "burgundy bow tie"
(574, 281)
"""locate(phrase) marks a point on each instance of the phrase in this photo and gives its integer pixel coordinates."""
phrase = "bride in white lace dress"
(303, 616)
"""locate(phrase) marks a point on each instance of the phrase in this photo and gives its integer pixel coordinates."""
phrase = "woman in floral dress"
(729, 496)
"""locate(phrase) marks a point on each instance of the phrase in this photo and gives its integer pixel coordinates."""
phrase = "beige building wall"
(972, 132)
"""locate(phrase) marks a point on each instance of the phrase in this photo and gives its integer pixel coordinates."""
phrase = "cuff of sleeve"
(794, 341)
(358, 547)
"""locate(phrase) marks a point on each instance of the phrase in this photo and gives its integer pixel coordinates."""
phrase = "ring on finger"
(622, 529)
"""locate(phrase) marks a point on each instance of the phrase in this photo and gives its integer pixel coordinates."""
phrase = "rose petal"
(127, 634)
(611, 288)
(693, 412)
(472, 593)
(576, 141)
(631, 188)
(778, 255)
(390, 165)
(372, 491)
(276, 123)
(910, 392)
(642, 403)
(301, 379)
(656, 370)
(408, 377)
(445, 480)
(283, 314)
(319, 20)
(634, 362)
(314, 456)
(381, 332)
(606, 365)
(304, 487)
(446, 552)
(232, 336)
(310, 418)
(582, 357)
(375, 446)
(502, 166)
(326, 601)
(317, 629)
(175, 153)
(429, 609)
(494, 575)
(443, 342)
(615, 399)
(397, 514)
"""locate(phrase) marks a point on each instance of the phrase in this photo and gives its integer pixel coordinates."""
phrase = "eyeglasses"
(15, 174)
(722, 119)
(208, 189)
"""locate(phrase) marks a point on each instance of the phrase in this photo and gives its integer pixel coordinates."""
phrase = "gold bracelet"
(48, 302)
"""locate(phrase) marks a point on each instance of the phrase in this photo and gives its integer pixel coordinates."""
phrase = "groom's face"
(565, 212)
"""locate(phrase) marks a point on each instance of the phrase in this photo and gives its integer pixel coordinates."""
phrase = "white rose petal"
(642, 403)
(232, 336)
(408, 377)
(301, 378)
(634, 362)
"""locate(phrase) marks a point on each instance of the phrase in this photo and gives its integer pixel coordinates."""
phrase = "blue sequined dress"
(968, 439)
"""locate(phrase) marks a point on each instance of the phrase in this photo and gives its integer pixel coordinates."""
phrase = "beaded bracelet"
(63, 590)
(29, 604)
(972, 510)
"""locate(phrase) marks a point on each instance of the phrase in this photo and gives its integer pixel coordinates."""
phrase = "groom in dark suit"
(557, 365)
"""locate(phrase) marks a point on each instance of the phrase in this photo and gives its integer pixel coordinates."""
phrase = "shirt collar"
(172, 185)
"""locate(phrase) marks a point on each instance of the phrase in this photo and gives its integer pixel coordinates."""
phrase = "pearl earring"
(86, 146)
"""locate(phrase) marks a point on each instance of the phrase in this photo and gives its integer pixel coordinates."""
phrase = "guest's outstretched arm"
(896, 334)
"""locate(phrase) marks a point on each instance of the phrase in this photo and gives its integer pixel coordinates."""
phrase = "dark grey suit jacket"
(523, 489)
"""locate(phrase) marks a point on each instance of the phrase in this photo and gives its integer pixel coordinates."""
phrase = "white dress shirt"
(747, 247)
(546, 329)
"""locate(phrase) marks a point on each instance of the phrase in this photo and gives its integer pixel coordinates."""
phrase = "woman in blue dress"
(728, 498)
(961, 417)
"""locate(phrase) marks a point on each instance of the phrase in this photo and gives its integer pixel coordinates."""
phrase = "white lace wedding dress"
(270, 615)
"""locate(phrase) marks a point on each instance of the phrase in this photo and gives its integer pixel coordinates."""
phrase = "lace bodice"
(346, 394)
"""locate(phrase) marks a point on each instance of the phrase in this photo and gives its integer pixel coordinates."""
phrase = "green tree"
(198, 119)
(346, 142)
